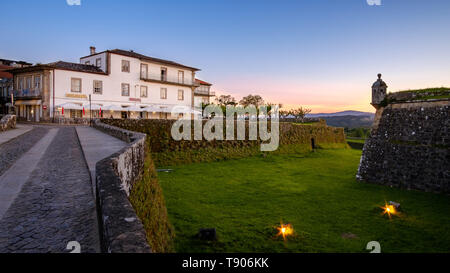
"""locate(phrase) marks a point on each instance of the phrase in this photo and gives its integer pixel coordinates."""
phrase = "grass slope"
(317, 193)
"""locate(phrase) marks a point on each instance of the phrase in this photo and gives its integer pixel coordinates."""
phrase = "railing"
(166, 79)
(205, 92)
(26, 93)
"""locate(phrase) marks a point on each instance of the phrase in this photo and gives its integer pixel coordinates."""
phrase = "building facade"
(6, 83)
(112, 83)
(202, 94)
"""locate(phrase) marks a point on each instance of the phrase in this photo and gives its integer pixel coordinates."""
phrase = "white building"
(119, 83)
(202, 94)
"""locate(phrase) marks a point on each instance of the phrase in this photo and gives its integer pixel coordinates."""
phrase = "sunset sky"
(316, 53)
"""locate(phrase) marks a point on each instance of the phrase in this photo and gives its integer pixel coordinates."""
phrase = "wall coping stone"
(120, 228)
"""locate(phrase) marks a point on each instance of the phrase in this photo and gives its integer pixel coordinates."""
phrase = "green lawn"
(317, 193)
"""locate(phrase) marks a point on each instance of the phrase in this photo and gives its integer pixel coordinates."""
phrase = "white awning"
(151, 109)
(70, 106)
(113, 108)
(93, 107)
(133, 108)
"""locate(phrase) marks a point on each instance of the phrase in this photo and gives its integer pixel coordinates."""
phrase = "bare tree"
(255, 100)
(300, 113)
(225, 100)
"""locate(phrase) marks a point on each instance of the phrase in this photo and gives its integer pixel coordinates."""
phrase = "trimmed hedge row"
(166, 151)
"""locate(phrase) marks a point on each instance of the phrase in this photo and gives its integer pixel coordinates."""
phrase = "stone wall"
(121, 229)
(166, 151)
(409, 147)
(7, 122)
(72, 121)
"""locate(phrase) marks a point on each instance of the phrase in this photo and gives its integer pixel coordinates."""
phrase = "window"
(20, 84)
(98, 62)
(163, 74)
(28, 82)
(180, 94)
(76, 113)
(98, 87)
(125, 66)
(87, 63)
(144, 71)
(37, 82)
(163, 93)
(76, 85)
(180, 76)
(143, 91)
(125, 89)
(125, 115)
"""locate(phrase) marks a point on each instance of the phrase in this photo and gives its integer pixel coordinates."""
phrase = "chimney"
(92, 50)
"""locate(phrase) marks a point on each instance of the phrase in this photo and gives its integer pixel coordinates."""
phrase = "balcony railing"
(168, 80)
(27, 93)
(205, 93)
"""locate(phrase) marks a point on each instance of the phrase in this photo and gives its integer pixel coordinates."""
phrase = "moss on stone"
(148, 202)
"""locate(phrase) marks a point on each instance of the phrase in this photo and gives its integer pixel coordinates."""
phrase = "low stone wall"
(8, 122)
(72, 121)
(166, 151)
(409, 147)
(121, 229)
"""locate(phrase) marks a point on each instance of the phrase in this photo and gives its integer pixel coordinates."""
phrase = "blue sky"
(323, 54)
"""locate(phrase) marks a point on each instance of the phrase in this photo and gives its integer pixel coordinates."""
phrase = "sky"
(319, 54)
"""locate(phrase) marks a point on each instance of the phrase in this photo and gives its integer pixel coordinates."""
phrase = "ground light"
(389, 210)
(285, 230)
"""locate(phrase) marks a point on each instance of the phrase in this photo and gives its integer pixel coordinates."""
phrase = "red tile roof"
(202, 82)
(4, 74)
(60, 65)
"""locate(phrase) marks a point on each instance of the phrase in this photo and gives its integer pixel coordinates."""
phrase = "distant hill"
(340, 114)
(349, 119)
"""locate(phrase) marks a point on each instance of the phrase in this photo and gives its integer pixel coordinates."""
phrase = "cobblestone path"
(14, 149)
(56, 204)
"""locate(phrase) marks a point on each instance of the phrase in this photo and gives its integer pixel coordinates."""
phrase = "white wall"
(112, 85)
(198, 100)
(92, 60)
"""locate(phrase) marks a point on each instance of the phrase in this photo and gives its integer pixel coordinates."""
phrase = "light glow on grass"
(389, 210)
(285, 230)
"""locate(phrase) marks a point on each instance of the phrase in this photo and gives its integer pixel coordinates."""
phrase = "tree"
(255, 100)
(300, 113)
(224, 100)
(284, 113)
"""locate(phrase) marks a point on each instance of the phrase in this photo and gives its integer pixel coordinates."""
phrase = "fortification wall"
(409, 147)
(167, 152)
(121, 230)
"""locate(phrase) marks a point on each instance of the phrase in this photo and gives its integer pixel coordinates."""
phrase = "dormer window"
(98, 62)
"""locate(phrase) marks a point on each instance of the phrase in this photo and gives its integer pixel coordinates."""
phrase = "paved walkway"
(46, 197)
(11, 134)
(97, 146)
(14, 178)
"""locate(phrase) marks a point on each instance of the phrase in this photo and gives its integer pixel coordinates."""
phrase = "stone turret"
(379, 89)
